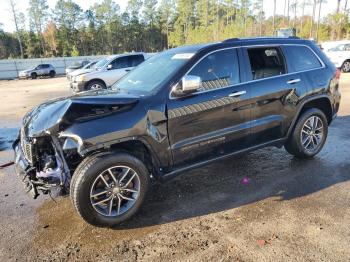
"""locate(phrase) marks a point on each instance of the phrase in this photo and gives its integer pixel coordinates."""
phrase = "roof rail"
(293, 37)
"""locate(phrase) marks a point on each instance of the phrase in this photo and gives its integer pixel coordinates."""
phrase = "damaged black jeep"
(180, 109)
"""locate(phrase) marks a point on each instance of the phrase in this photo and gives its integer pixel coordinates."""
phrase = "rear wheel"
(52, 73)
(109, 189)
(309, 134)
(346, 66)
(96, 85)
(33, 75)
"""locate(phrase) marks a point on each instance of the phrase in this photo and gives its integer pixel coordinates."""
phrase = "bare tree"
(312, 18)
(15, 19)
(261, 16)
(319, 18)
(284, 12)
(294, 9)
(303, 4)
(288, 12)
(274, 15)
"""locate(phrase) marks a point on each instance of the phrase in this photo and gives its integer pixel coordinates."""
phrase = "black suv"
(180, 109)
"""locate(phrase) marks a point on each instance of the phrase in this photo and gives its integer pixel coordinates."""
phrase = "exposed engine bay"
(49, 169)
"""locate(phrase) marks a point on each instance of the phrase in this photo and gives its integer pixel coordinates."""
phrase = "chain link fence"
(10, 68)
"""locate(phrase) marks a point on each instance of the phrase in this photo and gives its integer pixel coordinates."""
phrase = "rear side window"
(302, 58)
(135, 60)
(219, 69)
(266, 62)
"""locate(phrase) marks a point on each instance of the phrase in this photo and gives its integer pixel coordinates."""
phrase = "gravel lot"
(290, 210)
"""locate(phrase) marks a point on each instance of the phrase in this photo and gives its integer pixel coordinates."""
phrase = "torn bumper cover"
(54, 175)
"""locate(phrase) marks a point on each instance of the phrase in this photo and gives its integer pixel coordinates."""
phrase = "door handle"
(127, 70)
(239, 93)
(293, 81)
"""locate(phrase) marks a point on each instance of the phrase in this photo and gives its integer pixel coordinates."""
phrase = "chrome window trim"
(254, 80)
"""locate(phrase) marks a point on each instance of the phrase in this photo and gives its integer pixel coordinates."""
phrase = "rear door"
(274, 93)
(304, 62)
(215, 120)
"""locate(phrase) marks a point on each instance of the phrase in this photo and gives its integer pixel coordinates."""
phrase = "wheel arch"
(321, 102)
(94, 79)
(135, 147)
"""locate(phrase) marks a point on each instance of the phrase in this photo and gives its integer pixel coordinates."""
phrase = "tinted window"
(266, 62)
(219, 69)
(135, 60)
(121, 62)
(302, 58)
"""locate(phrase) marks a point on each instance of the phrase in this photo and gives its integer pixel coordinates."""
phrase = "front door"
(215, 120)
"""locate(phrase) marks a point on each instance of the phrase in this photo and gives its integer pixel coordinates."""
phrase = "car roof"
(231, 42)
(126, 54)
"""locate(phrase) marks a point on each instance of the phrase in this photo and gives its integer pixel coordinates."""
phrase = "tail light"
(337, 74)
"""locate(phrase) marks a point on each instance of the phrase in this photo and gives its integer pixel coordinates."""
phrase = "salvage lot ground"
(291, 210)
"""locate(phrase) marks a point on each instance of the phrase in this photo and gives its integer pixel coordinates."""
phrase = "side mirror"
(109, 67)
(188, 84)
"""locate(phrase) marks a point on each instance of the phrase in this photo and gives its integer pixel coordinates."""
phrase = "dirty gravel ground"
(291, 210)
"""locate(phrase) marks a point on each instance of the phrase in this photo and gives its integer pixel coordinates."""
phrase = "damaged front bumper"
(38, 181)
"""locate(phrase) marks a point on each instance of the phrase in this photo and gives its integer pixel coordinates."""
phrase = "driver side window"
(121, 62)
(217, 70)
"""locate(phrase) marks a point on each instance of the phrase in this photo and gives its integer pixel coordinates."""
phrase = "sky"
(22, 5)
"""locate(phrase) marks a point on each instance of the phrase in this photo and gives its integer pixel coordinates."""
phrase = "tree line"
(152, 25)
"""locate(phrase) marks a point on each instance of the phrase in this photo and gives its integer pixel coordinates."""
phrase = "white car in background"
(86, 69)
(339, 53)
(107, 71)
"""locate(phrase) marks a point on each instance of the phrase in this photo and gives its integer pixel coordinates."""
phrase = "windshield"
(90, 65)
(101, 63)
(151, 73)
(337, 48)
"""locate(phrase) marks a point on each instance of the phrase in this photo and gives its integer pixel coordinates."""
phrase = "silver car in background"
(107, 71)
(85, 69)
(76, 66)
(39, 70)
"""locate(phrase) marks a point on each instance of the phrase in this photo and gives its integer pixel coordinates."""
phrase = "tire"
(126, 197)
(306, 140)
(346, 66)
(33, 75)
(52, 74)
(95, 85)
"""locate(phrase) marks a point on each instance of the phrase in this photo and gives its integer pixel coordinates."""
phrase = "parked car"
(76, 66)
(107, 72)
(180, 109)
(39, 70)
(87, 68)
(340, 56)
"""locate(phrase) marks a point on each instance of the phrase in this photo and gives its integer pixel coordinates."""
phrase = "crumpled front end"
(41, 164)
(45, 154)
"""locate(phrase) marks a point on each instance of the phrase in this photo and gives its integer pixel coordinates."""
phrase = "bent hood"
(49, 117)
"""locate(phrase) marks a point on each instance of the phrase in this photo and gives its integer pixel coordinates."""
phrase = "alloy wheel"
(312, 134)
(346, 66)
(115, 191)
(96, 87)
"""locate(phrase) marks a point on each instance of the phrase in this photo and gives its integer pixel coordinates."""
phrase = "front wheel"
(33, 75)
(309, 135)
(346, 66)
(95, 85)
(109, 189)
